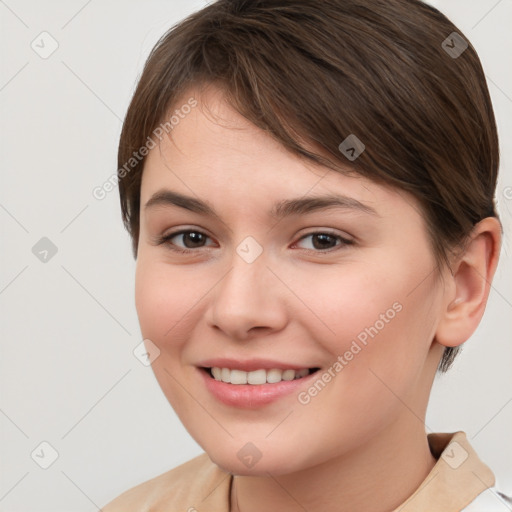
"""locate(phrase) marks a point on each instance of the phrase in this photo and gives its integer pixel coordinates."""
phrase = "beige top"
(457, 478)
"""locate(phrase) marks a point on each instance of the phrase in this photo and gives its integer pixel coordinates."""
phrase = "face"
(254, 260)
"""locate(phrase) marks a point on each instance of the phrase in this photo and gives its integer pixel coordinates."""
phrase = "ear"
(469, 284)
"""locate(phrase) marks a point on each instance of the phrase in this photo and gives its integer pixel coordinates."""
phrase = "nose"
(249, 300)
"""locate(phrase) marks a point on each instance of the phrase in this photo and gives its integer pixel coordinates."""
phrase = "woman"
(309, 189)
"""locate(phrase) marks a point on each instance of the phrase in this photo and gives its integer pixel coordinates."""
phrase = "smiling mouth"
(257, 377)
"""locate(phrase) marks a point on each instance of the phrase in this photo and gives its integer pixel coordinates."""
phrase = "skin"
(360, 443)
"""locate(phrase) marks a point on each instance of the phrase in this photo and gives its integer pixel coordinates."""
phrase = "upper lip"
(250, 364)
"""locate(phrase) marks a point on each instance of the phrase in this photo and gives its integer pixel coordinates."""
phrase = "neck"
(379, 475)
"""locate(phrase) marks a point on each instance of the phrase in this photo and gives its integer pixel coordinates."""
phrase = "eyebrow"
(281, 209)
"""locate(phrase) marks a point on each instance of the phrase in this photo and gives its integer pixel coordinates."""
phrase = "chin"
(277, 464)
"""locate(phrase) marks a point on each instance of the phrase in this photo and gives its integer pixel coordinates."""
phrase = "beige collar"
(458, 477)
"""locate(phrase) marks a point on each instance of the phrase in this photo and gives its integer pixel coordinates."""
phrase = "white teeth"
(257, 377)
(274, 376)
(238, 377)
(225, 375)
(288, 375)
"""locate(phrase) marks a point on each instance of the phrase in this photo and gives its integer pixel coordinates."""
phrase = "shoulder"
(196, 482)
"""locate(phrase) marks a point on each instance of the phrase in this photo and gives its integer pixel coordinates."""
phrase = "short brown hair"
(321, 70)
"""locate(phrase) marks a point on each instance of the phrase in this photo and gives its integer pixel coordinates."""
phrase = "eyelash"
(166, 240)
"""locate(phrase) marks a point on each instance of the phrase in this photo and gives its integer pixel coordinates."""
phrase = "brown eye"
(324, 241)
(192, 239)
(189, 240)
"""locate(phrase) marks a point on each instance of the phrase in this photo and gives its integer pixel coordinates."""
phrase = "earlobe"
(470, 283)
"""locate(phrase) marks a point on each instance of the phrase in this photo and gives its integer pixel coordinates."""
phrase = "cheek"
(167, 303)
(166, 300)
(376, 320)
(349, 303)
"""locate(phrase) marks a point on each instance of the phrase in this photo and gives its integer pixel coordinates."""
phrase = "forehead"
(214, 153)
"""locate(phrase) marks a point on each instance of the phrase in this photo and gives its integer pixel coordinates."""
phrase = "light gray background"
(69, 326)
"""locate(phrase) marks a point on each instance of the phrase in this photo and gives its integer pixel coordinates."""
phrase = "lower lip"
(251, 396)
